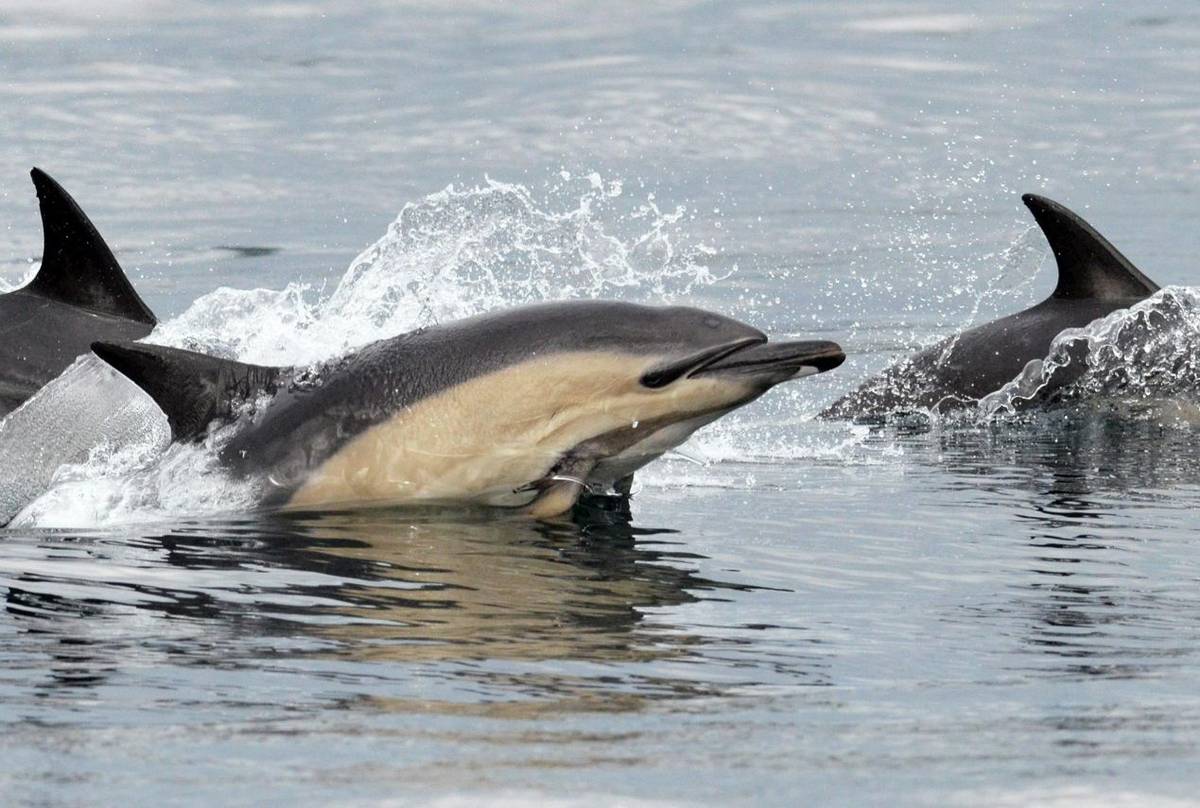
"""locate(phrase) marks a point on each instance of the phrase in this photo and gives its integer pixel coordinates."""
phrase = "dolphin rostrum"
(524, 408)
(1094, 280)
(78, 296)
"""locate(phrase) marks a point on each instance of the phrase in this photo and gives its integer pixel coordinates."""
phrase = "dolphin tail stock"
(192, 389)
(1088, 265)
(78, 268)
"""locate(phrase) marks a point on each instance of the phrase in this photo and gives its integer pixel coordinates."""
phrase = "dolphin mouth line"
(762, 358)
(689, 366)
(723, 352)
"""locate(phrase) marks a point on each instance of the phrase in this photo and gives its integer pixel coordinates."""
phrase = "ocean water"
(993, 609)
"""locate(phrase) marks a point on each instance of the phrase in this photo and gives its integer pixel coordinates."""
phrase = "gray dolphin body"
(1094, 279)
(79, 295)
(524, 408)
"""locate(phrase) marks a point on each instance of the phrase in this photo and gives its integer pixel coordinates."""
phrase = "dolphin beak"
(774, 362)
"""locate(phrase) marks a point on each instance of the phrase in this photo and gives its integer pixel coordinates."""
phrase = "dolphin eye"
(661, 377)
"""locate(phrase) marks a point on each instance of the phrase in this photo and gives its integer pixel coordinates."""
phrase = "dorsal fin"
(78, 268)
(193, 389)
(1088, 266)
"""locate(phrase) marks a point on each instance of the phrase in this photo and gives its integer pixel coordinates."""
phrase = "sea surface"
(990, 609)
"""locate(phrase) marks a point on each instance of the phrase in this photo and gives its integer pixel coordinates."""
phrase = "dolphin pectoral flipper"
(78, 268)
(193, 389)
(1088, 265)
(560, 489)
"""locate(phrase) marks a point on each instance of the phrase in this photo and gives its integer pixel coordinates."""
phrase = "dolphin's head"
(667, 346)
(707, 347)
(628, 383)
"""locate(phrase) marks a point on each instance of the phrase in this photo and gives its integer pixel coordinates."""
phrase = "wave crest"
(1145, 353)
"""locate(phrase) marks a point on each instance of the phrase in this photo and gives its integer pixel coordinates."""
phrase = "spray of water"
(1146, 353)
(453, 254)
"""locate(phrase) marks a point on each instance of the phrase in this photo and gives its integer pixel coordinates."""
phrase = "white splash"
(1147, 352)
(453, 254)
(90, 416)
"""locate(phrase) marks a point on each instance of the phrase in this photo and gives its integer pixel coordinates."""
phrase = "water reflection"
(521, 609)
(499, 589)
(1087, 592)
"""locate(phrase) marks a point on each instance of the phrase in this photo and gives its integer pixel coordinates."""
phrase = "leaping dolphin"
(522, 408)
(79, 295)
(1094, 279)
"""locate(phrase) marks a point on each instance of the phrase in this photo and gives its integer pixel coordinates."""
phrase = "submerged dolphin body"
(79, 295)
(1094, 280)
(524, 408)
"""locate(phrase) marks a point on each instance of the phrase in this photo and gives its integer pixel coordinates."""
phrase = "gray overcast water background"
(796, 612)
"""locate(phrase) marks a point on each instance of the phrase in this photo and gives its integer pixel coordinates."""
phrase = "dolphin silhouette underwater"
(1094, 280)
(79, 295)
(522, 408)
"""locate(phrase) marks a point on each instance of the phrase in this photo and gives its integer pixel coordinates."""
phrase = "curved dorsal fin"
(1088, 266)
(193, 389)
(78, 268)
